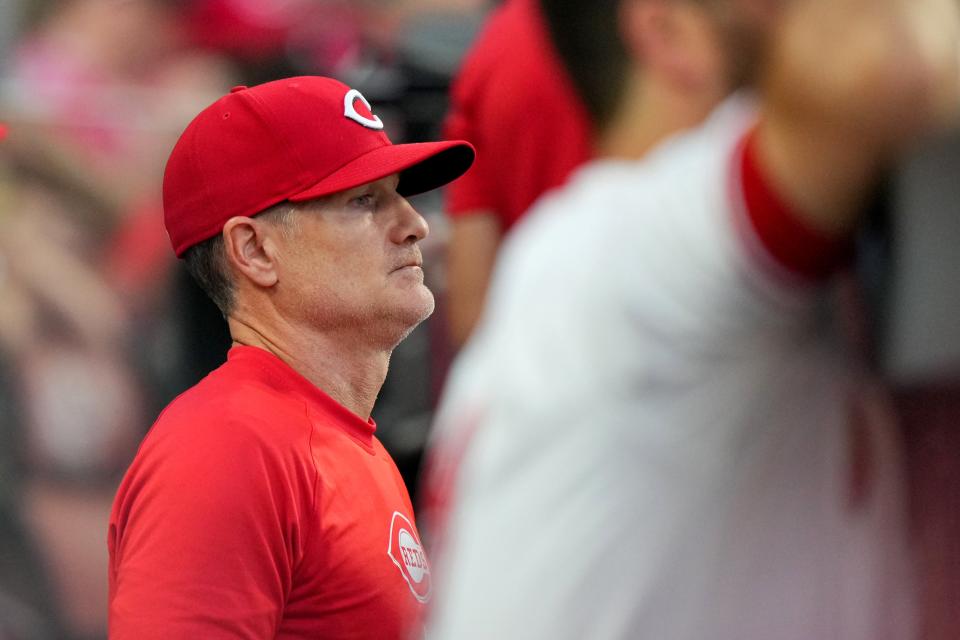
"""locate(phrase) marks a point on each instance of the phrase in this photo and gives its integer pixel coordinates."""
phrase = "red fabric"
(290, 139)
(513, 100)
(258, 507)
(788, 239)
(139, 256)
(228, 25)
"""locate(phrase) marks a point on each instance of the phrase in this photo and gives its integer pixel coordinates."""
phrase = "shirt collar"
(273, 371)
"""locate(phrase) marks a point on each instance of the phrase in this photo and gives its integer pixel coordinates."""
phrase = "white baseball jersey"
(650, 429)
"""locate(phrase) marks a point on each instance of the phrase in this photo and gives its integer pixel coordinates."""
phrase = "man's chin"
(423, 310)
(417, 306)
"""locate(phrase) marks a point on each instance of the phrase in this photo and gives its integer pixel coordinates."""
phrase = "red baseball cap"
(294, 139)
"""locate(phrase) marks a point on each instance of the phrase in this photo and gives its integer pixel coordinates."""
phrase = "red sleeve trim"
(790, 241)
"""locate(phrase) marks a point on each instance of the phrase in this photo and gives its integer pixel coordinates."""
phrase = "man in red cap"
(260, 504)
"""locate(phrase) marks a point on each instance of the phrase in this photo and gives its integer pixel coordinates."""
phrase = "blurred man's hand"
(850, 85)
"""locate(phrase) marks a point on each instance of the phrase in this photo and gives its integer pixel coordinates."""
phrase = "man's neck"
(650, 112)
(350, 372)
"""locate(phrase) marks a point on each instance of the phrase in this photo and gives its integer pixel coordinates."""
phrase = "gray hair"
(207, 261)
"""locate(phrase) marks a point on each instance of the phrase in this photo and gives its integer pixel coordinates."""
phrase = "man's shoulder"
(228, 407)
(686, 166)
(585, 245)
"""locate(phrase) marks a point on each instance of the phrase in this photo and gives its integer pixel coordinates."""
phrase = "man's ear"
(251, 250)
(675, 42)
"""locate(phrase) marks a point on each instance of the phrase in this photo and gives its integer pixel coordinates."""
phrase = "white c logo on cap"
(351, 112)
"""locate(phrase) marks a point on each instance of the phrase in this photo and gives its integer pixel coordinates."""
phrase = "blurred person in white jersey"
(686, 73)
(653, 432)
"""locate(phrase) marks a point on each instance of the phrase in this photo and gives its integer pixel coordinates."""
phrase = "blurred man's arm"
(851, 84)
(472, 251)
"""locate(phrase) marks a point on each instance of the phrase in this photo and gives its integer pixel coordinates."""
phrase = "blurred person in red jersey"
(655, 424)
(261, 504)
(512, 98)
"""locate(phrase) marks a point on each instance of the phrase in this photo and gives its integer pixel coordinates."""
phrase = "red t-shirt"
(514, 101)
(258, 507)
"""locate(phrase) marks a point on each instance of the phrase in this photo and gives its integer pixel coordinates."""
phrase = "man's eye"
(366, 201)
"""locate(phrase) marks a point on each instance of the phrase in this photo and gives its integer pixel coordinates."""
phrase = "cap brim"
(422, 166)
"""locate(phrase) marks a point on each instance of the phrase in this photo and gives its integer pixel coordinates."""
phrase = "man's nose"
(411, 226)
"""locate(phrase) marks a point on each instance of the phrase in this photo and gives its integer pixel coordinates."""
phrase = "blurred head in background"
(672, 62)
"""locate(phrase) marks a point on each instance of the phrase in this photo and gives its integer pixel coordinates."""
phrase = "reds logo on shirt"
(407, 553)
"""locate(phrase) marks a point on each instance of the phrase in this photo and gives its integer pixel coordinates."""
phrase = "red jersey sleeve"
(204, 538)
